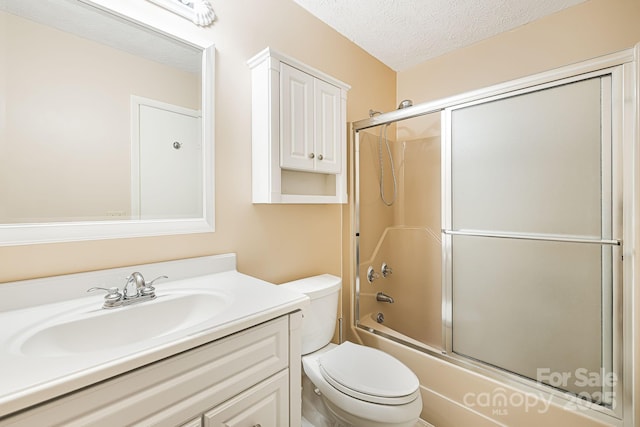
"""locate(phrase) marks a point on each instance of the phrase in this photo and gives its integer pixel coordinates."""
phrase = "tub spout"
(382, 297)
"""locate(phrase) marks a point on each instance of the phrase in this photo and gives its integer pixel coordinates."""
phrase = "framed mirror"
(106, 126)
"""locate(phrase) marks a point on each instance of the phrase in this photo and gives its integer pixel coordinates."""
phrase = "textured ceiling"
(404, 33)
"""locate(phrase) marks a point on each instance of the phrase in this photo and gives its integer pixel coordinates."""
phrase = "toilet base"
(314, 411)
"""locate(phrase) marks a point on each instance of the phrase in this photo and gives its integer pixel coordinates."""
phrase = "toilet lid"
(368, 374)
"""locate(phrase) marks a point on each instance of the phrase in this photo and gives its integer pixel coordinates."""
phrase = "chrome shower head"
(405, 103)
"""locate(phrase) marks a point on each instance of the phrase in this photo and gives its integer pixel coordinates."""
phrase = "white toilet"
(359, 386)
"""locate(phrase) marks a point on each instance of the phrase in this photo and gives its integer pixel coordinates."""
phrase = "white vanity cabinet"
(298, 132)
(247, 379)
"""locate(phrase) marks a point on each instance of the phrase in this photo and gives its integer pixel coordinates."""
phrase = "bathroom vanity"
(222, 347)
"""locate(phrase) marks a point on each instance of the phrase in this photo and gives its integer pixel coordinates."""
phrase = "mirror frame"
(53, 232)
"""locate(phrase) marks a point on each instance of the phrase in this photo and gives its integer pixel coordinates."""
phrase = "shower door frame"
(611, 197)
(624, 330)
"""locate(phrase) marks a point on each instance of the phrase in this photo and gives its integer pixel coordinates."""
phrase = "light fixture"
(200, 12)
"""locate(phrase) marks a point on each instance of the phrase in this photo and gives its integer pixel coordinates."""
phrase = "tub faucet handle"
(386, 270)
(372, 275)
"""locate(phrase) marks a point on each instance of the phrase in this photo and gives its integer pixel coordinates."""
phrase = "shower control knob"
(372, 275)
(320, 157)
(386, 270)
(311, 155)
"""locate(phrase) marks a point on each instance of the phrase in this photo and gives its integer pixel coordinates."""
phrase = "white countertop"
(28, 379)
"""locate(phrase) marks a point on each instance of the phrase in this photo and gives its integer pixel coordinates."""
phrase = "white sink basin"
(92, 329)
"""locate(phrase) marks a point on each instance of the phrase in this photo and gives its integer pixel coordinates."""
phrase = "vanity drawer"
(170, 392)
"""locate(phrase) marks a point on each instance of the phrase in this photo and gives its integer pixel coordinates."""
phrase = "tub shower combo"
(490, 230)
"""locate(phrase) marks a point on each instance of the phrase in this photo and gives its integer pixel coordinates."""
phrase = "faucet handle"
(372, 275)
(386, 270)
(149, 289)
(112, 297)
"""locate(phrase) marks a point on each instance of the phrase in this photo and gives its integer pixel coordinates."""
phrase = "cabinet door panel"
(197, 422)
(327, 127)
(296, 119)
(266, 405)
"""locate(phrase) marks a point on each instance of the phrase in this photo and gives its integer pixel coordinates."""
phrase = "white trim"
(268, 52)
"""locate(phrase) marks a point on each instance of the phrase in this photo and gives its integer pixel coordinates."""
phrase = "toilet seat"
(368, 374)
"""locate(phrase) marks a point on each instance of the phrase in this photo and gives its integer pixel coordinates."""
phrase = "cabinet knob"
(311, 155)
(257, 425)
(320, 157)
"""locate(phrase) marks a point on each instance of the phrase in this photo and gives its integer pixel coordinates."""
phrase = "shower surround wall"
(405, 235)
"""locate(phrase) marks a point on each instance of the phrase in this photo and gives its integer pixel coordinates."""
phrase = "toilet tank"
(319, 317)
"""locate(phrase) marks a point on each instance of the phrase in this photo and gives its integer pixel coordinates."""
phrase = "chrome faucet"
(135, 290)
(134, 286)
(382, 297)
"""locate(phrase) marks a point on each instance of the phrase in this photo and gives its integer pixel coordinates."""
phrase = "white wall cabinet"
(311, 138)
(249, 378)
(298, 132)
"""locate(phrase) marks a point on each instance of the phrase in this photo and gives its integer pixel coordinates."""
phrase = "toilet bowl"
(359, 386)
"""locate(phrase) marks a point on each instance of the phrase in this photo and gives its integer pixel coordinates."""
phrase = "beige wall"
(275, 243)
(594, 28)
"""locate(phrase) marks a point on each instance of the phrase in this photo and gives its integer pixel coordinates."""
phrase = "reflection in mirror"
(103, 122)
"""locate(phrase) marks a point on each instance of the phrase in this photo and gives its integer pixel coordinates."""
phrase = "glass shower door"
(532, 234)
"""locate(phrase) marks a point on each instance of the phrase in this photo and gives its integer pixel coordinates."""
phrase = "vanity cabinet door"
(197, 422)
(264, 405)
